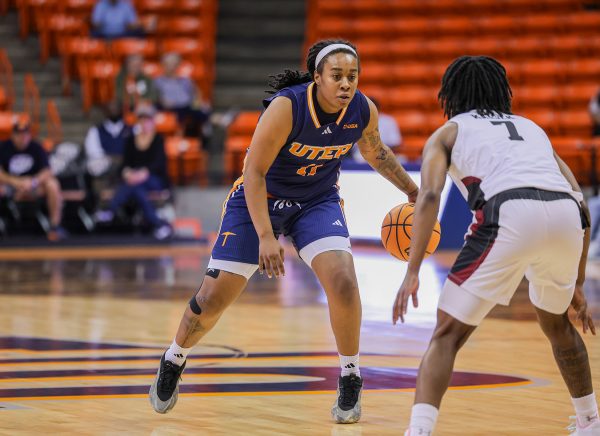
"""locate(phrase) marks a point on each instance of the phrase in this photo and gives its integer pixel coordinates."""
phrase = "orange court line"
(146, 376)
(246, 394)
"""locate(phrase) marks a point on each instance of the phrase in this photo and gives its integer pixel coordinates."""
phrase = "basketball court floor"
(82, 331)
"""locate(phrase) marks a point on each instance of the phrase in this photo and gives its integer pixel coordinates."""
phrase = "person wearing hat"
(144, 169)
(25, 170)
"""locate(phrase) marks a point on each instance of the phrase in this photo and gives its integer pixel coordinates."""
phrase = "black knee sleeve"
(194, 306)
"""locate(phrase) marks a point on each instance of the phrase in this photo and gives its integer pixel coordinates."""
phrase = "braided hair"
(294, 77)
(475, 82)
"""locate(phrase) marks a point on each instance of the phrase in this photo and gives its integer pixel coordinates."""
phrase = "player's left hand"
(579, 303)
(409, 287)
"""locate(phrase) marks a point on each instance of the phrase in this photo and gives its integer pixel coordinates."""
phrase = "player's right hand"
(579, 303)
(270, 257)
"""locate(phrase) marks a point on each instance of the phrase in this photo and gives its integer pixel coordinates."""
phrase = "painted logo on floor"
(61, 369)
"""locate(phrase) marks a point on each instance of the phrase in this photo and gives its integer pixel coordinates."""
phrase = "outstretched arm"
(271, 133)
(382, 159)
(579, 301)
(433, 177)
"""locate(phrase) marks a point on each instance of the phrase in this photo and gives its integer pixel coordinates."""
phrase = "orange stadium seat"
(496, 26)
(159, 7)
(412, 49)
(58, 25)
(538, 24)
(97, 81)
(567, 47)
(546, 119)
(543, 97)
(186, 160)
(187, 48)
(239, 135)
(575, 122)
(526, 47)
(179, 26)
(583, 23)
(576, 155)
(454, 26)
(578, 95)
(445, 49)
(412, 123)
(540, 72)
(73, 49)
(123, 47)
(583, 70)
(412, 147)
(487, 46)
(166, 123)
(413, 27)
(410, 98)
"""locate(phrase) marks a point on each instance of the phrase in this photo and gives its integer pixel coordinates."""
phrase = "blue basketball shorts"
(313, 227)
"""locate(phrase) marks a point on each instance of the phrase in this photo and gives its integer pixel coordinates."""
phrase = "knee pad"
(195, 306)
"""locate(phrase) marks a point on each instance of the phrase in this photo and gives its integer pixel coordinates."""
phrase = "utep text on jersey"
(308, 164)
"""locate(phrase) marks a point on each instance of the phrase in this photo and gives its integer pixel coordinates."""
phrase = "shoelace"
(572, 428)
(349, 390)
(168, 377)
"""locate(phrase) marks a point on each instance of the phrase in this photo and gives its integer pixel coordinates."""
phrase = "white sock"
(349, 365)
(422, 419)
(586, 409)
(177, 354)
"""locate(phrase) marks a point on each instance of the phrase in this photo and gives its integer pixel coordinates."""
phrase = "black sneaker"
(165, 389)
(346, 409)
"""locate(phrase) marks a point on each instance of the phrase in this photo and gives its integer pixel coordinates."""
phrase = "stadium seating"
(549, 48)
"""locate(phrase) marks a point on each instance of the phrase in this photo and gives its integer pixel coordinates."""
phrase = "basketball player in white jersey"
(529, 219)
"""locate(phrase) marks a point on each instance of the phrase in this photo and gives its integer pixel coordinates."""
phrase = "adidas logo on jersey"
(337, 223)
(327, 131)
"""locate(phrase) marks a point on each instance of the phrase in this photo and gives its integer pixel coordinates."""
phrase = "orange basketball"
(396, 231)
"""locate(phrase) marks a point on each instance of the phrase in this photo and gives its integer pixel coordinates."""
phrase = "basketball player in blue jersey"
(289, 187)
(529, 218)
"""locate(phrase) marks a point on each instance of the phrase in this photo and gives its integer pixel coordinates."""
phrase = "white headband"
(328, 49)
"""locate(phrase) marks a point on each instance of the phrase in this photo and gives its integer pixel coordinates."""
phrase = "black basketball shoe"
(165, 389)
(346, 409)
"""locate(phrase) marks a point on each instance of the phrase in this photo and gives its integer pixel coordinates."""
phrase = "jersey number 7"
(513, 135)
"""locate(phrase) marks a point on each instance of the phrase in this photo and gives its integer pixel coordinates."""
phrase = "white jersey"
(496, 153)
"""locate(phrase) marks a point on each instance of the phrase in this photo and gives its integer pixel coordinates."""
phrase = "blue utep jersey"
(308, 164)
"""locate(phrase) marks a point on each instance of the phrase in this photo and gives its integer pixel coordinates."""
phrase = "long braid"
(475, 82)
(294, 77)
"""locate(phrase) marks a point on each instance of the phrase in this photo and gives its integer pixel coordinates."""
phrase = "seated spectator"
(115, 19)
(180, 95)
(132, 85)
(389, 132)
(24, 168)
(388, 129)
(594, 109)
(105, 142)
(144, 170)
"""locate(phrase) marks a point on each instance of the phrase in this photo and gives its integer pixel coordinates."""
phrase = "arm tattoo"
(385, 162)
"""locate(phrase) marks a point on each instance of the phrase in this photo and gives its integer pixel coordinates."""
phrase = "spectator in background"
(388, 131)
(115, 19)
(180, 95)
(132, 85)
(105, 142)
(24, 168)
(594, 109)
(144, 169)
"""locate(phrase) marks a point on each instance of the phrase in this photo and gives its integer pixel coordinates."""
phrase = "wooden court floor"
(82, 330)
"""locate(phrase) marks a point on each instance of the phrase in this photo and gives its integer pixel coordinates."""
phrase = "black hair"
(294, 77)
(475, 82)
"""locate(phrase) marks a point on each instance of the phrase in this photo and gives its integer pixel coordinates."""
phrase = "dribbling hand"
(409, 287)
(579, 303)
(270, 257)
